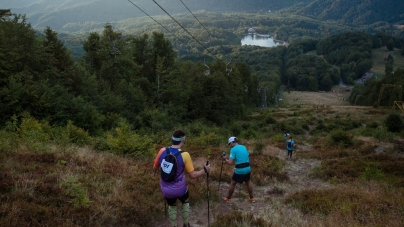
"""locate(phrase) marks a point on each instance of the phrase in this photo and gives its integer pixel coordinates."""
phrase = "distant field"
(379, 63)
(315, 98)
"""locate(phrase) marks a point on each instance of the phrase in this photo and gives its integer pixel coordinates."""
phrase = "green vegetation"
(78, 136)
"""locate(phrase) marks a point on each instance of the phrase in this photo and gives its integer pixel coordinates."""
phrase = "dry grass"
(379, 63)
(316, 100)
(326, 184)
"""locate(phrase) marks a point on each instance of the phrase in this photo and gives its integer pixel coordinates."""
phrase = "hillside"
(354, 12)
(354, 177)
(62, 13)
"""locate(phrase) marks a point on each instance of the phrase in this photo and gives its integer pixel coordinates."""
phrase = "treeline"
(140, 79)
(353, 12)
(371, 93)
(137, 80)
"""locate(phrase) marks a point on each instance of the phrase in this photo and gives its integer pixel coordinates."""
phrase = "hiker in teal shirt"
(240, 157)
(289, 147)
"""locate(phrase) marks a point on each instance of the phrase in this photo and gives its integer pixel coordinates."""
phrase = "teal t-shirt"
(289, 147)
(240, 155)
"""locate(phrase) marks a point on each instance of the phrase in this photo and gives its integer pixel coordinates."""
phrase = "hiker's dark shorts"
(171, 201)
(290, 152)
(240, 178)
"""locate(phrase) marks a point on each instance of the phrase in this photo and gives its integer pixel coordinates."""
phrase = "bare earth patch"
(269, 198)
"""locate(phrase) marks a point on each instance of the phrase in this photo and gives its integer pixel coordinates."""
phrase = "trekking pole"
(165, 201)
(220, 177)
(207, 185)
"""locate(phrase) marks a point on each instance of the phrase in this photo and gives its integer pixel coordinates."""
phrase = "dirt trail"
(268, 198)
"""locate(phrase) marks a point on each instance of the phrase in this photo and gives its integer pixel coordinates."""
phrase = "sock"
(185, 212)
(172, 212)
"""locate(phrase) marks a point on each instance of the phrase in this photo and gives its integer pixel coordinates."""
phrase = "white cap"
(231, 139)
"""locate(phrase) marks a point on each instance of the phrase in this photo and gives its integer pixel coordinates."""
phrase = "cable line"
(153, 19)
(184, 29)
(204, 27)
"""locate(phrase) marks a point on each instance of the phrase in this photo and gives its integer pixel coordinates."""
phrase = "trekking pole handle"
(204, 168)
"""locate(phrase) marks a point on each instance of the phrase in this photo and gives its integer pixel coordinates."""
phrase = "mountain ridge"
(58, 13)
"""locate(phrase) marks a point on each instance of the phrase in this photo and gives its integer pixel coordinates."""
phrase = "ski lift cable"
(184, 29)
(153, 19)
(214, 38)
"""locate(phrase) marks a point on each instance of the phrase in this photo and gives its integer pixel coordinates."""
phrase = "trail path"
(269, 198)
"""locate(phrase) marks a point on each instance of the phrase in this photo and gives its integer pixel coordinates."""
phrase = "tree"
(390, 44)
(57, 51)
(362, 67)
(402, 48)
(389, 65)
(92, 47)
(326, 83)
(394, 123)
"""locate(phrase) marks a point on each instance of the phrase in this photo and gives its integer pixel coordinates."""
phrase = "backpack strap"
(176, 154)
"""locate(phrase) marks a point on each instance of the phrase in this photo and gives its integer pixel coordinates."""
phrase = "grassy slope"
(379, 63)
(327, 184)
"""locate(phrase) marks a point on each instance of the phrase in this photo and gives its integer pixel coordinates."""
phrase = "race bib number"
(166, 166)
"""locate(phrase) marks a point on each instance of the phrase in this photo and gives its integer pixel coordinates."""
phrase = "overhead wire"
(184, 28)
(204, 27)
(153, 19)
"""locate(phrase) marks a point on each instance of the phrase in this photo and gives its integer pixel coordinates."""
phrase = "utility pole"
(263, 96)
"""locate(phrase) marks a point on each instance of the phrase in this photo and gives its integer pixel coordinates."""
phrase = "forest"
(81, 115)
(139, 79)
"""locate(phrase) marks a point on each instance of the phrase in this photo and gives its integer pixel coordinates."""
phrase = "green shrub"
(206, 139)
(77, 135)
(394, 123)
(155, 120)
(305, 126)
(235, 129)
(382, 134)
(372, 172)
(279, 137)
(8, 141)
(33, 134)
(124, 141)
(258, 147)
(76, 192)
(249, 134)
(340, 138)
(372, 124)
(270, 120)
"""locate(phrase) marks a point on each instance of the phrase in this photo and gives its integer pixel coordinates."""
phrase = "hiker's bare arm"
(196, 174)
(228, 160)
(155, 167)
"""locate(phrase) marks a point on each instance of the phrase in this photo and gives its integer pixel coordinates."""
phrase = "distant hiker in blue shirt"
(289, 147)
(240, 157)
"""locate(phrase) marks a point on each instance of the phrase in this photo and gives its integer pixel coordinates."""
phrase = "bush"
(33, 134)
(77, 135)
(76, 192)
(206, 139)
(340, 138)
(394, 123)
(372, 172)
(124, 141)
(372, 125)
(258, 147)
(270, 120)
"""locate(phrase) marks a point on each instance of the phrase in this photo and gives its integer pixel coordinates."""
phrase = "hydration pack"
(289, 144)
(169, 166)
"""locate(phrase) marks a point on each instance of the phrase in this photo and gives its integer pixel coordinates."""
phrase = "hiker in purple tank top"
(177, 189)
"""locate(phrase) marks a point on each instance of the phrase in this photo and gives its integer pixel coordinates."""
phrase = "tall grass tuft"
(239, 219)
